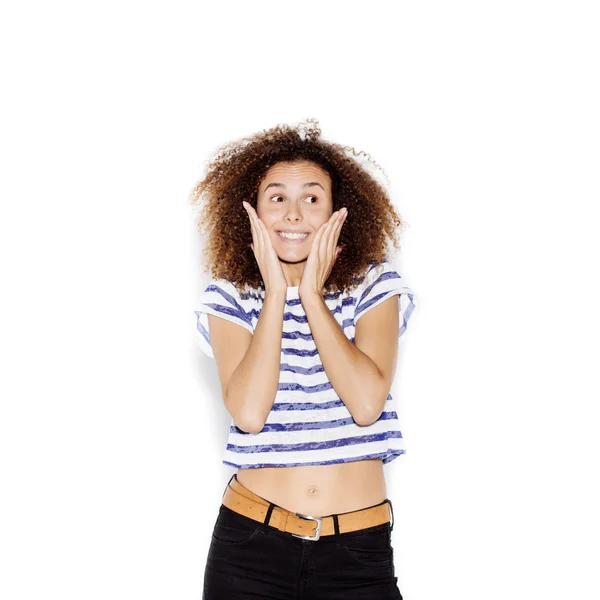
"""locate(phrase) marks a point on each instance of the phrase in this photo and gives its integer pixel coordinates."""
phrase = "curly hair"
(234, 173)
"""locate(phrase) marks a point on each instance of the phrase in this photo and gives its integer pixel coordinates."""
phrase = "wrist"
(309, 295)
(276, 294)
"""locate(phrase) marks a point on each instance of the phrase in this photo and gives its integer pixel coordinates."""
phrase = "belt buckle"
(315, 537)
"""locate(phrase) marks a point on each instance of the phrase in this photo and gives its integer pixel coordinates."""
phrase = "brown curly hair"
(234, 173)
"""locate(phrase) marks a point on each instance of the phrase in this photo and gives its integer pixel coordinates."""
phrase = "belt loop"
(336, 526)
(223, 496)
(268, 517)
(392, 511)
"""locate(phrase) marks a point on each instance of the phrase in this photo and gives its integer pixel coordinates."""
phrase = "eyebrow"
(304, 185)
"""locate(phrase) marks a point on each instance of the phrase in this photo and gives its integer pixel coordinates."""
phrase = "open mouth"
(292, 237)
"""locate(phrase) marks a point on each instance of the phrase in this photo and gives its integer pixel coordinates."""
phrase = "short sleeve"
(221, 299)
(382, 281)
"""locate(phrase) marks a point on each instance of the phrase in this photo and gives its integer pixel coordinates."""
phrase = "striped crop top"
(308, 423)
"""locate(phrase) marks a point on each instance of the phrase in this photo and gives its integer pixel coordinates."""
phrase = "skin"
(322, 489)
(295, 196)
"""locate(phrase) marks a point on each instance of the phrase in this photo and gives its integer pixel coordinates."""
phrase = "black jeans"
(250, 560)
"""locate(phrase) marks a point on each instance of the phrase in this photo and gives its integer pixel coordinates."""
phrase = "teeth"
(293, 236)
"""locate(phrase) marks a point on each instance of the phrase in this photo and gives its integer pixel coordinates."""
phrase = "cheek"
(323, 216)
(270, 224)
(320, 222)
(267, 217)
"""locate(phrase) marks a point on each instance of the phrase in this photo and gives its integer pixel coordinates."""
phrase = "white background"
(484, 116)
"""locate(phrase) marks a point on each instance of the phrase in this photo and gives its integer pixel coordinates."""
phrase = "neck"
(293, 272)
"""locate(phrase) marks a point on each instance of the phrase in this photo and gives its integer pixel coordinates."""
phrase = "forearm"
(353, 375)
(252, 387)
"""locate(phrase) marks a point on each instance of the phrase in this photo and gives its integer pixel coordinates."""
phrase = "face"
(294, 197)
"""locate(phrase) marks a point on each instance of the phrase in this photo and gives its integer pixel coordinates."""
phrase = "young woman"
(303, 318)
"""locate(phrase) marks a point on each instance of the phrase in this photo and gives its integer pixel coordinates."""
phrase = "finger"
(266, 236)
(317, 243)
(314, 246)
(329, 242)
(326, 249)
(335, 234)
(258, 236)
(245, 205)
(262, 235)
(319, 234)
(257, 228)
(340, 222)
(332, 238)
(252, 227)
(337, 253)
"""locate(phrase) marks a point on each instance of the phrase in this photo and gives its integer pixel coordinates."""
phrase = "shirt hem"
(385, 456)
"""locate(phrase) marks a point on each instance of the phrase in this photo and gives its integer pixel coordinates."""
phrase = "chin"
(289, 253)
(292, 261)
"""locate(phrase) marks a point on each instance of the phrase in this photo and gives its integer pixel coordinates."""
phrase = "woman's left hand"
(323, 254)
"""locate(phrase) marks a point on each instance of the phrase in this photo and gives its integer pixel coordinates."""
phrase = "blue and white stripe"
(309, 424)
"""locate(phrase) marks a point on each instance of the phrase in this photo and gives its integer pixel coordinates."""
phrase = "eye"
(279, 196)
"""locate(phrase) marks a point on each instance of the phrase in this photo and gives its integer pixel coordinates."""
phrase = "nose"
(293, 215)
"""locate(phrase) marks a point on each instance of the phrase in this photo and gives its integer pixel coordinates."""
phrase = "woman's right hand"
(266, 257)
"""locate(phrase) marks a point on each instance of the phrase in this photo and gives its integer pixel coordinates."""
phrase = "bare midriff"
(319, 490)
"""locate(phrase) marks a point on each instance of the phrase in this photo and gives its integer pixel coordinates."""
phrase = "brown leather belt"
(241, 500)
